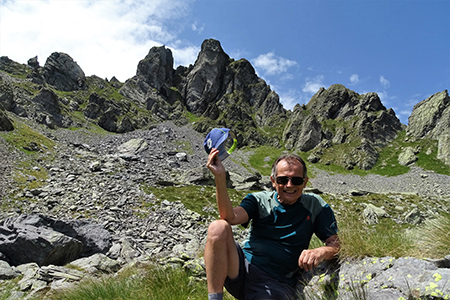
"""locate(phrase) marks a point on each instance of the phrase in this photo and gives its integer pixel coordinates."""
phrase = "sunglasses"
(294, 180)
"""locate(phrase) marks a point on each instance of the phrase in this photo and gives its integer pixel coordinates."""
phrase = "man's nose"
(289, 183)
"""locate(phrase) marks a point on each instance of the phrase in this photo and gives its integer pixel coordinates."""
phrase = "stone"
(371, 214)
(407, 156)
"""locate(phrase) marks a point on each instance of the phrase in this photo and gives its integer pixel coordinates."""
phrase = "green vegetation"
(263, 157)
(432, 238)
(387, 163)
(151, 282)
(22, 136)
(201, 199)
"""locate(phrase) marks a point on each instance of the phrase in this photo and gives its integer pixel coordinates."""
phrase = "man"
(283, 222)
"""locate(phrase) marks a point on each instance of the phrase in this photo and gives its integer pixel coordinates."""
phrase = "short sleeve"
(250, 204)
(325, 223)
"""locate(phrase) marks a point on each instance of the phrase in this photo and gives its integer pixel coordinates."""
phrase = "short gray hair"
(290, 159)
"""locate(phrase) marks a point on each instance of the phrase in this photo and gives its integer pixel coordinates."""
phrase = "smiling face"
(289, 193)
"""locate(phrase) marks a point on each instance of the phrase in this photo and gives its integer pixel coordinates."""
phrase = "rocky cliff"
(216, 91)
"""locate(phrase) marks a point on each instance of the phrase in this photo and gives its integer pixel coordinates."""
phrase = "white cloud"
(185, 56)
(106, 38)
(384, 82)
(354, 79)
(313, 85)
(384, 98)
(290, 98)
(271, 64)
(195, 27)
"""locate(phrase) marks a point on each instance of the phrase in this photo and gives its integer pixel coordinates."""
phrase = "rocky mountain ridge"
(216, 91)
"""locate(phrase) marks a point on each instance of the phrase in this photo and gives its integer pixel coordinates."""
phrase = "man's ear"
(273, 181)
(305, 182)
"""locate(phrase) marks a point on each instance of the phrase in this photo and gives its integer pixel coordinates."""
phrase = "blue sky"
(399, 49)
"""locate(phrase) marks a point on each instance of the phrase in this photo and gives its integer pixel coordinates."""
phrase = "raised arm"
(233, 215)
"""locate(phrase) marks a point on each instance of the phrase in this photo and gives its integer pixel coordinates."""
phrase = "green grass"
(387, 163)
(263, 158)
(151, 282)
(432, 238)
(23, 135)
(361, 240)
(201, 199)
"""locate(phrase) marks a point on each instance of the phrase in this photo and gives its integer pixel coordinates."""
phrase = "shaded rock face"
(157, 68)
(46, 109)
(5, 123)
(62, 72)
(431, 117)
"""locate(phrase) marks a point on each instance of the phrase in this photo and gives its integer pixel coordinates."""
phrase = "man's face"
(289, 193)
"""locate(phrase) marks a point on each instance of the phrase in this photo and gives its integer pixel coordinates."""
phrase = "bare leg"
(221, 256)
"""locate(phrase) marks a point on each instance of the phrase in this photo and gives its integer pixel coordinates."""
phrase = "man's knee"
(219, 230)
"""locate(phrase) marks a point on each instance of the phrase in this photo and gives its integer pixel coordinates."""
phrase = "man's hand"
(214, 164)
(311, 258)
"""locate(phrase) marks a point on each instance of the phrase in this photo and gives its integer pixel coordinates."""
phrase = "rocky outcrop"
(62, 72)
(431, 117)
(407, 156)
(339, 115)
(384, 278)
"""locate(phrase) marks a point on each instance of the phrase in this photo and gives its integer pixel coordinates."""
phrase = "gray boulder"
(384, 278)
(24, 242)
(45, 241)
(407, 156)
(372, 213)
(62, 72)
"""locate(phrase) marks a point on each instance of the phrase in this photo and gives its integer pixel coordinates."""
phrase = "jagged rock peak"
(431, 117)
(205, 80)
(62, 72)
(157, 67)
(339, 102)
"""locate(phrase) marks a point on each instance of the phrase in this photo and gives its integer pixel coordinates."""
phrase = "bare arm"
(236, 215)
(310, 258)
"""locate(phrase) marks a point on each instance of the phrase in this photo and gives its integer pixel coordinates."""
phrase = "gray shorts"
(253, 283)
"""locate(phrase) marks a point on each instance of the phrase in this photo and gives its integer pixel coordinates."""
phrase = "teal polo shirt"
(279, 233)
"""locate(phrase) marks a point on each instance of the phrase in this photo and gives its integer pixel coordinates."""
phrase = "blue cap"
(219, 138)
